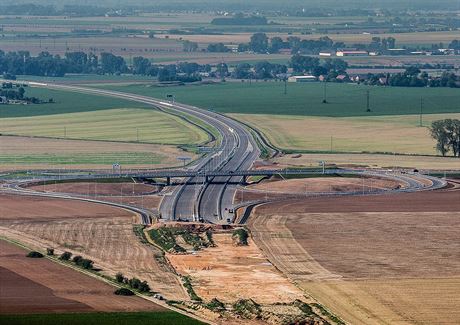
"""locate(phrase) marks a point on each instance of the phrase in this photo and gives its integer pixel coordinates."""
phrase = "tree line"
(414, 77)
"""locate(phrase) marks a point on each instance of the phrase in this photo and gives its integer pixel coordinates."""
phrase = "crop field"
(31, 153)
(59, 288)
(306, 99)
(371, 260)
(396, 134)
(103, 234)
(124, 124)
(367, 160)
(64, 102)
(141, 318)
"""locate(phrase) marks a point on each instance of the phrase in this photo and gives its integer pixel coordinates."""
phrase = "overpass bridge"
(207, 176)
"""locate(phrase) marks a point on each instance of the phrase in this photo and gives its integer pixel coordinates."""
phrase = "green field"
(123, 124)
(385, 134)
(140, 318)
(124, 158)
(306, 99)
(65, 102)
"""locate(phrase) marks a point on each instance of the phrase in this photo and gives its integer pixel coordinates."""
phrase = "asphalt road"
(196, 200)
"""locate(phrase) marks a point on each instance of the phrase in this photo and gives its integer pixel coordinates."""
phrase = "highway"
(193, 199)
(190, 200)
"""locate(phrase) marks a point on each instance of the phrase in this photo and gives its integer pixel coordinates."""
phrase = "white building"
(352, 53)
(302, 79)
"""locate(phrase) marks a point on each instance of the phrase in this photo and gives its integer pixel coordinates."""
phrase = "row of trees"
(46, 64)
(413, 77)
(447, 135)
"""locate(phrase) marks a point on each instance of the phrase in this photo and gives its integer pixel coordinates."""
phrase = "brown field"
(368, 160)
(321, 184)
(40, 285)
(231, 272)
(390, 259)
(29, 146)
(101, 233)
(98, 189)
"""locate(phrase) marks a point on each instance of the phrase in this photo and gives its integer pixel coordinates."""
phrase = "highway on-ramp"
(195, 199)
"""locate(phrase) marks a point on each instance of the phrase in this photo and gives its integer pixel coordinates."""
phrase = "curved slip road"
(193, 200)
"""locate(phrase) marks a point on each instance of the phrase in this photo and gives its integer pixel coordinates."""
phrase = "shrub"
(124, 292)
(77, 259)
(65, 256)
(34, 254)
(242, 236)
(215, 305)
(134, 283)
(86, 264)
(50, 251)
(144, 287)
(119, 277)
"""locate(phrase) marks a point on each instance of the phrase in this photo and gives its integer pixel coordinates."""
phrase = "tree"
(301, 64)
(447, 135)
(276, 43)
(259, 43)
(242, 71)
(189, 46)
(119, 277)
(112, 64)
(140, 65)
(65, 256)
(222, 70)
(218, 47)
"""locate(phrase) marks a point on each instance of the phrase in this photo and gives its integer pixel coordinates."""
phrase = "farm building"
(302, 79)
(352, 53)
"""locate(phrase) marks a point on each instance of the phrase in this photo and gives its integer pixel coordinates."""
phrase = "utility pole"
(325, 92)
(285, 85)
(137, 134)
(368, 109)
(421, 111)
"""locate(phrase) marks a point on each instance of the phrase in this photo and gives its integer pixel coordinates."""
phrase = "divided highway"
(195, 199)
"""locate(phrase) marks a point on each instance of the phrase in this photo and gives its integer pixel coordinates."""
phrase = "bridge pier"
(168, 181)
(207, 179)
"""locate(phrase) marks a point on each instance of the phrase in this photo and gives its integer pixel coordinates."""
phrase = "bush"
(242, 236)
(65, 256)
(86, 264)
(144, 287)
(215, 305)
(123, 292)
(119, 277)
(50, 251)
(34, 254)
(134, 283)
(77, 259)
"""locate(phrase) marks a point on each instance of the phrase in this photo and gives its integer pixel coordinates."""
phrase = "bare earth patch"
(392, 259)
(40, 285)
(323, 184)
(231, 272)
(97, 189)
